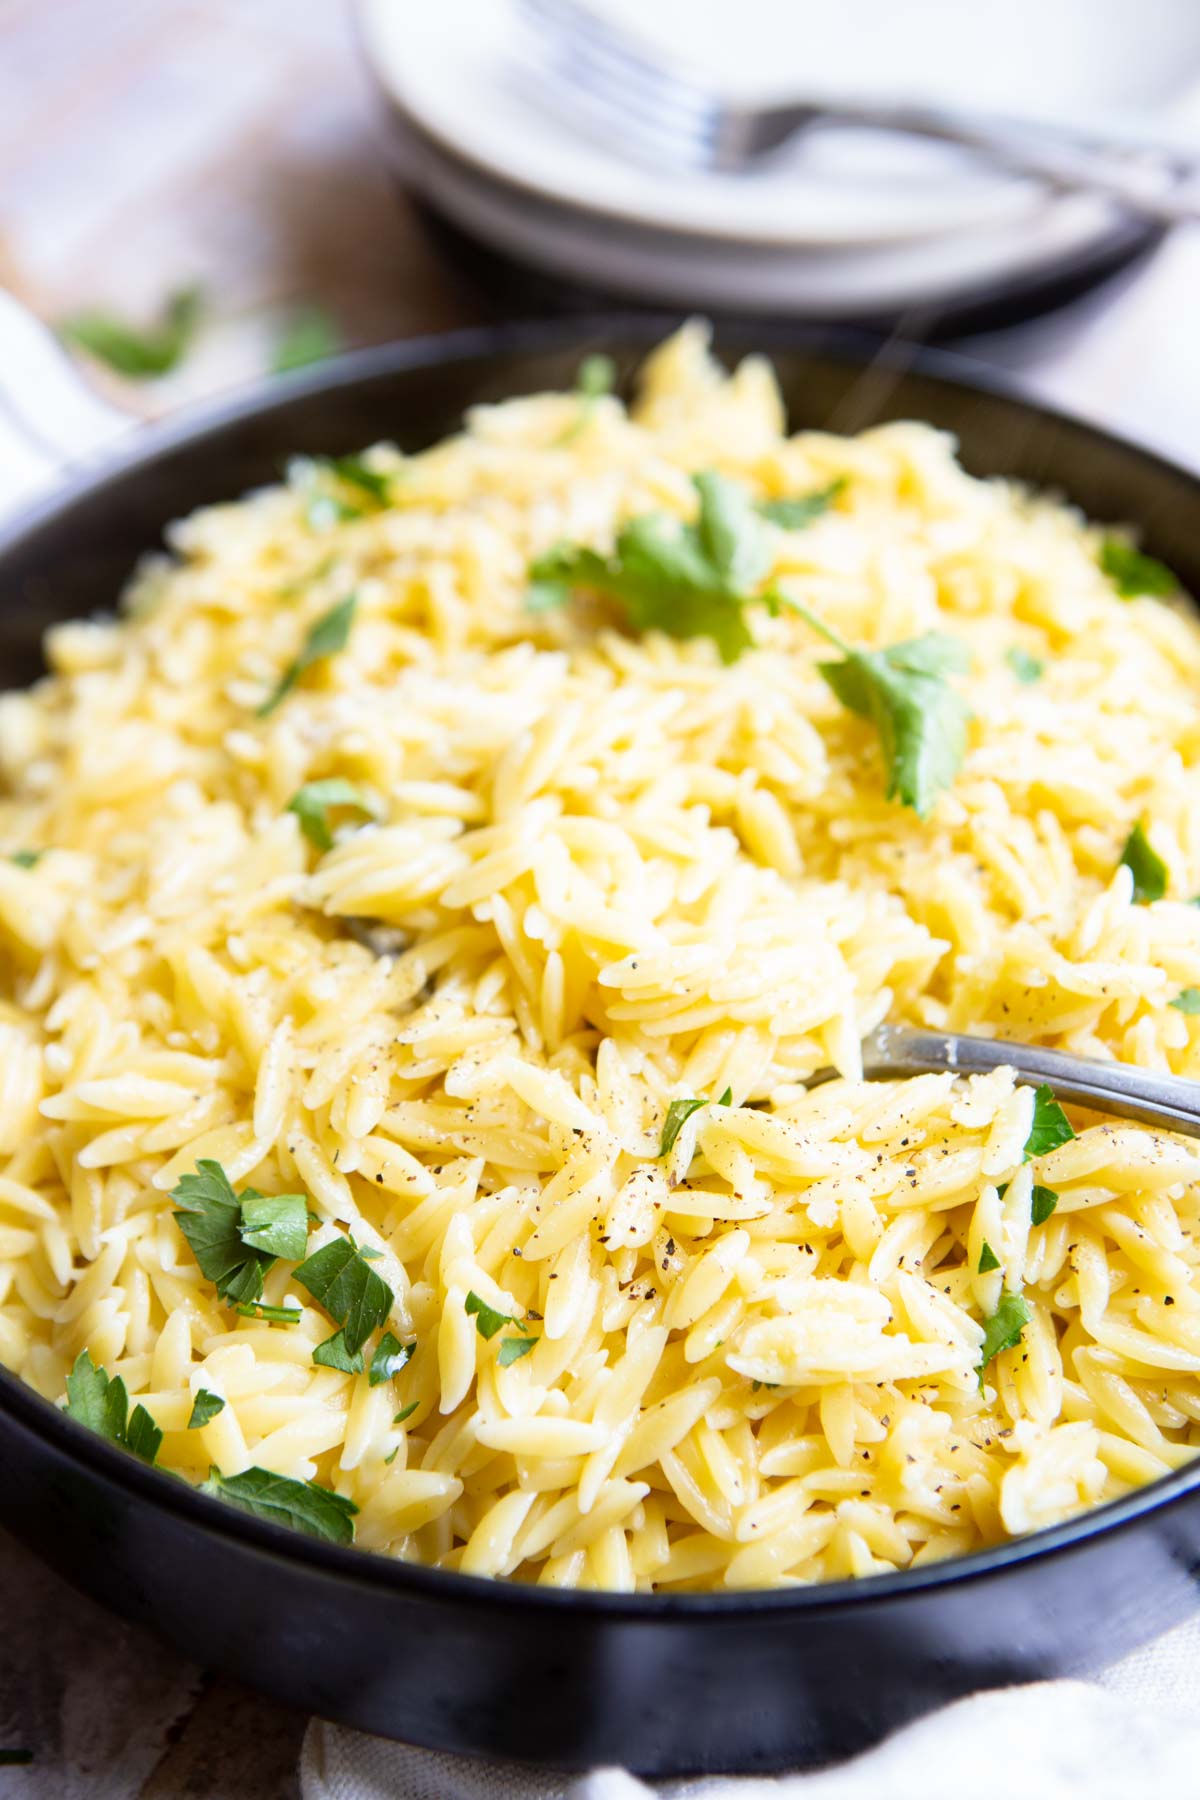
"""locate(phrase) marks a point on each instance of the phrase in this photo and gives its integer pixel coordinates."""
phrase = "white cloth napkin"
(1133, 1731)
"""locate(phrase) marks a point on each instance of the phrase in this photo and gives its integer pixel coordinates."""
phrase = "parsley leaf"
(686, 580)
(1025, 667)
(101, 1402)
(389, 1358)
(326, 636)
(512, 1349)
(1146, 865)
(487, 1320)
(304, 1505)
(1043, 1201)
(1187, 1000)
(988, 1260)
(276, 1223)
(920, 718)
(210, 1218)
(309, 336)
(799, 510)
(354, 472)
(26, 859)
(139, 352)
(205, 1406)
(1050, 1128)
(677, 1112)
(1004, 1328)
(596, 375)
(313, 803)
(1133, 573)
(333, 1354)
(406, 1412)
(348, 1288)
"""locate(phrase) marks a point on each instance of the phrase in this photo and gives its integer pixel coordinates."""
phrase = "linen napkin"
(1132, 1731)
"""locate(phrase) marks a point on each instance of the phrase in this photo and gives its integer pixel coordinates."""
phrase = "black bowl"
(659, 1683)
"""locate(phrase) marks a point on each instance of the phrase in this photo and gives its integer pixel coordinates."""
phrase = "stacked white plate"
(840, 225)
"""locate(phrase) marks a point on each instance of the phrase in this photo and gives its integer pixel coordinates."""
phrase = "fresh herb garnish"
(1042, 1203)
(273, 1315)
(139, 352)
(353, 1295)
(389, 1358)
(1004, 1328)
(698, 580)
(1147, 867)
(313, 803)
(205, 1406)
(1187, 1000)
(355, 473)
(235, 1246)
(487, 1320)
(677, 1112)
(333, 1354)
(920, 718)
(26, 859)
(101, 1402)
(1050, 1128)
(406, 1412)
(304, 1505)
(512, 1349)
(1025, 667)
(309, 336)
(596, 375)
(988, 1260)
(1133, 573)
(798, 510)
(326, 636)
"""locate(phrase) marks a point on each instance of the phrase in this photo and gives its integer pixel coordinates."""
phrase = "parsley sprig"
(699, 580)
(101, 1402)
(235, 1238)
(325, 637)
(304, 1505)
(341, 1279)
(489, 1320)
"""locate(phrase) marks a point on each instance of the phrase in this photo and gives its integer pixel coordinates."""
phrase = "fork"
(1111, 1087)
(674, 116)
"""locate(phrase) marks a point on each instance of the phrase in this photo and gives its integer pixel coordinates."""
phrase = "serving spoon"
(1121, 1088)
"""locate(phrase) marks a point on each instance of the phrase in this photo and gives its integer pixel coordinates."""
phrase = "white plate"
(462, 71)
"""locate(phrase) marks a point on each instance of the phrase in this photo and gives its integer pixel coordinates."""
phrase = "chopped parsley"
(235, 1238)
(406, 1412)
(988, 1260)
(596, 376)
(920, 718)
(1133, 573)
(309, 336)
(512, 1349)
(101, 1402)
(326, 636)
(333, 1354)
(488, 1321)
(354, 1296)
(304, 1505)
(1004, 1328)
(1147, 867)
(1025, 667)
(1050, 1128)
(1042, 1203)
(798, 510)
(140, 352)
(273, 1315)
(313, 803)
(26, 859)
(205, 1406)
(390, 1357)
(677, 1112)
(1187, 1000)
(698, 580)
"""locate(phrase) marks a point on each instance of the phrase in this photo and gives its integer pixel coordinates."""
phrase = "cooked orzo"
(422, 910)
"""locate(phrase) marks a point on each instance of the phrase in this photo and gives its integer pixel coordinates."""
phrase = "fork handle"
(1112, 1087)
(1156, 181)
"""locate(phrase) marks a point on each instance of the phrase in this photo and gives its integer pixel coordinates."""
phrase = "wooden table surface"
(145, 145)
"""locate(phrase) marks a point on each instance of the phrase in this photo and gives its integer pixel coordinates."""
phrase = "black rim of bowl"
(29, 1409)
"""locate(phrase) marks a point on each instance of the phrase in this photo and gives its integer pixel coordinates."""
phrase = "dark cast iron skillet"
(659, 1683)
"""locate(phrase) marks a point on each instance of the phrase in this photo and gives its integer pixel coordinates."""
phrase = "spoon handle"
(1112, 1087)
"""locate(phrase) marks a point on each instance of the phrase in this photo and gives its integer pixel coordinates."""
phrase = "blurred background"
(197, 193)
